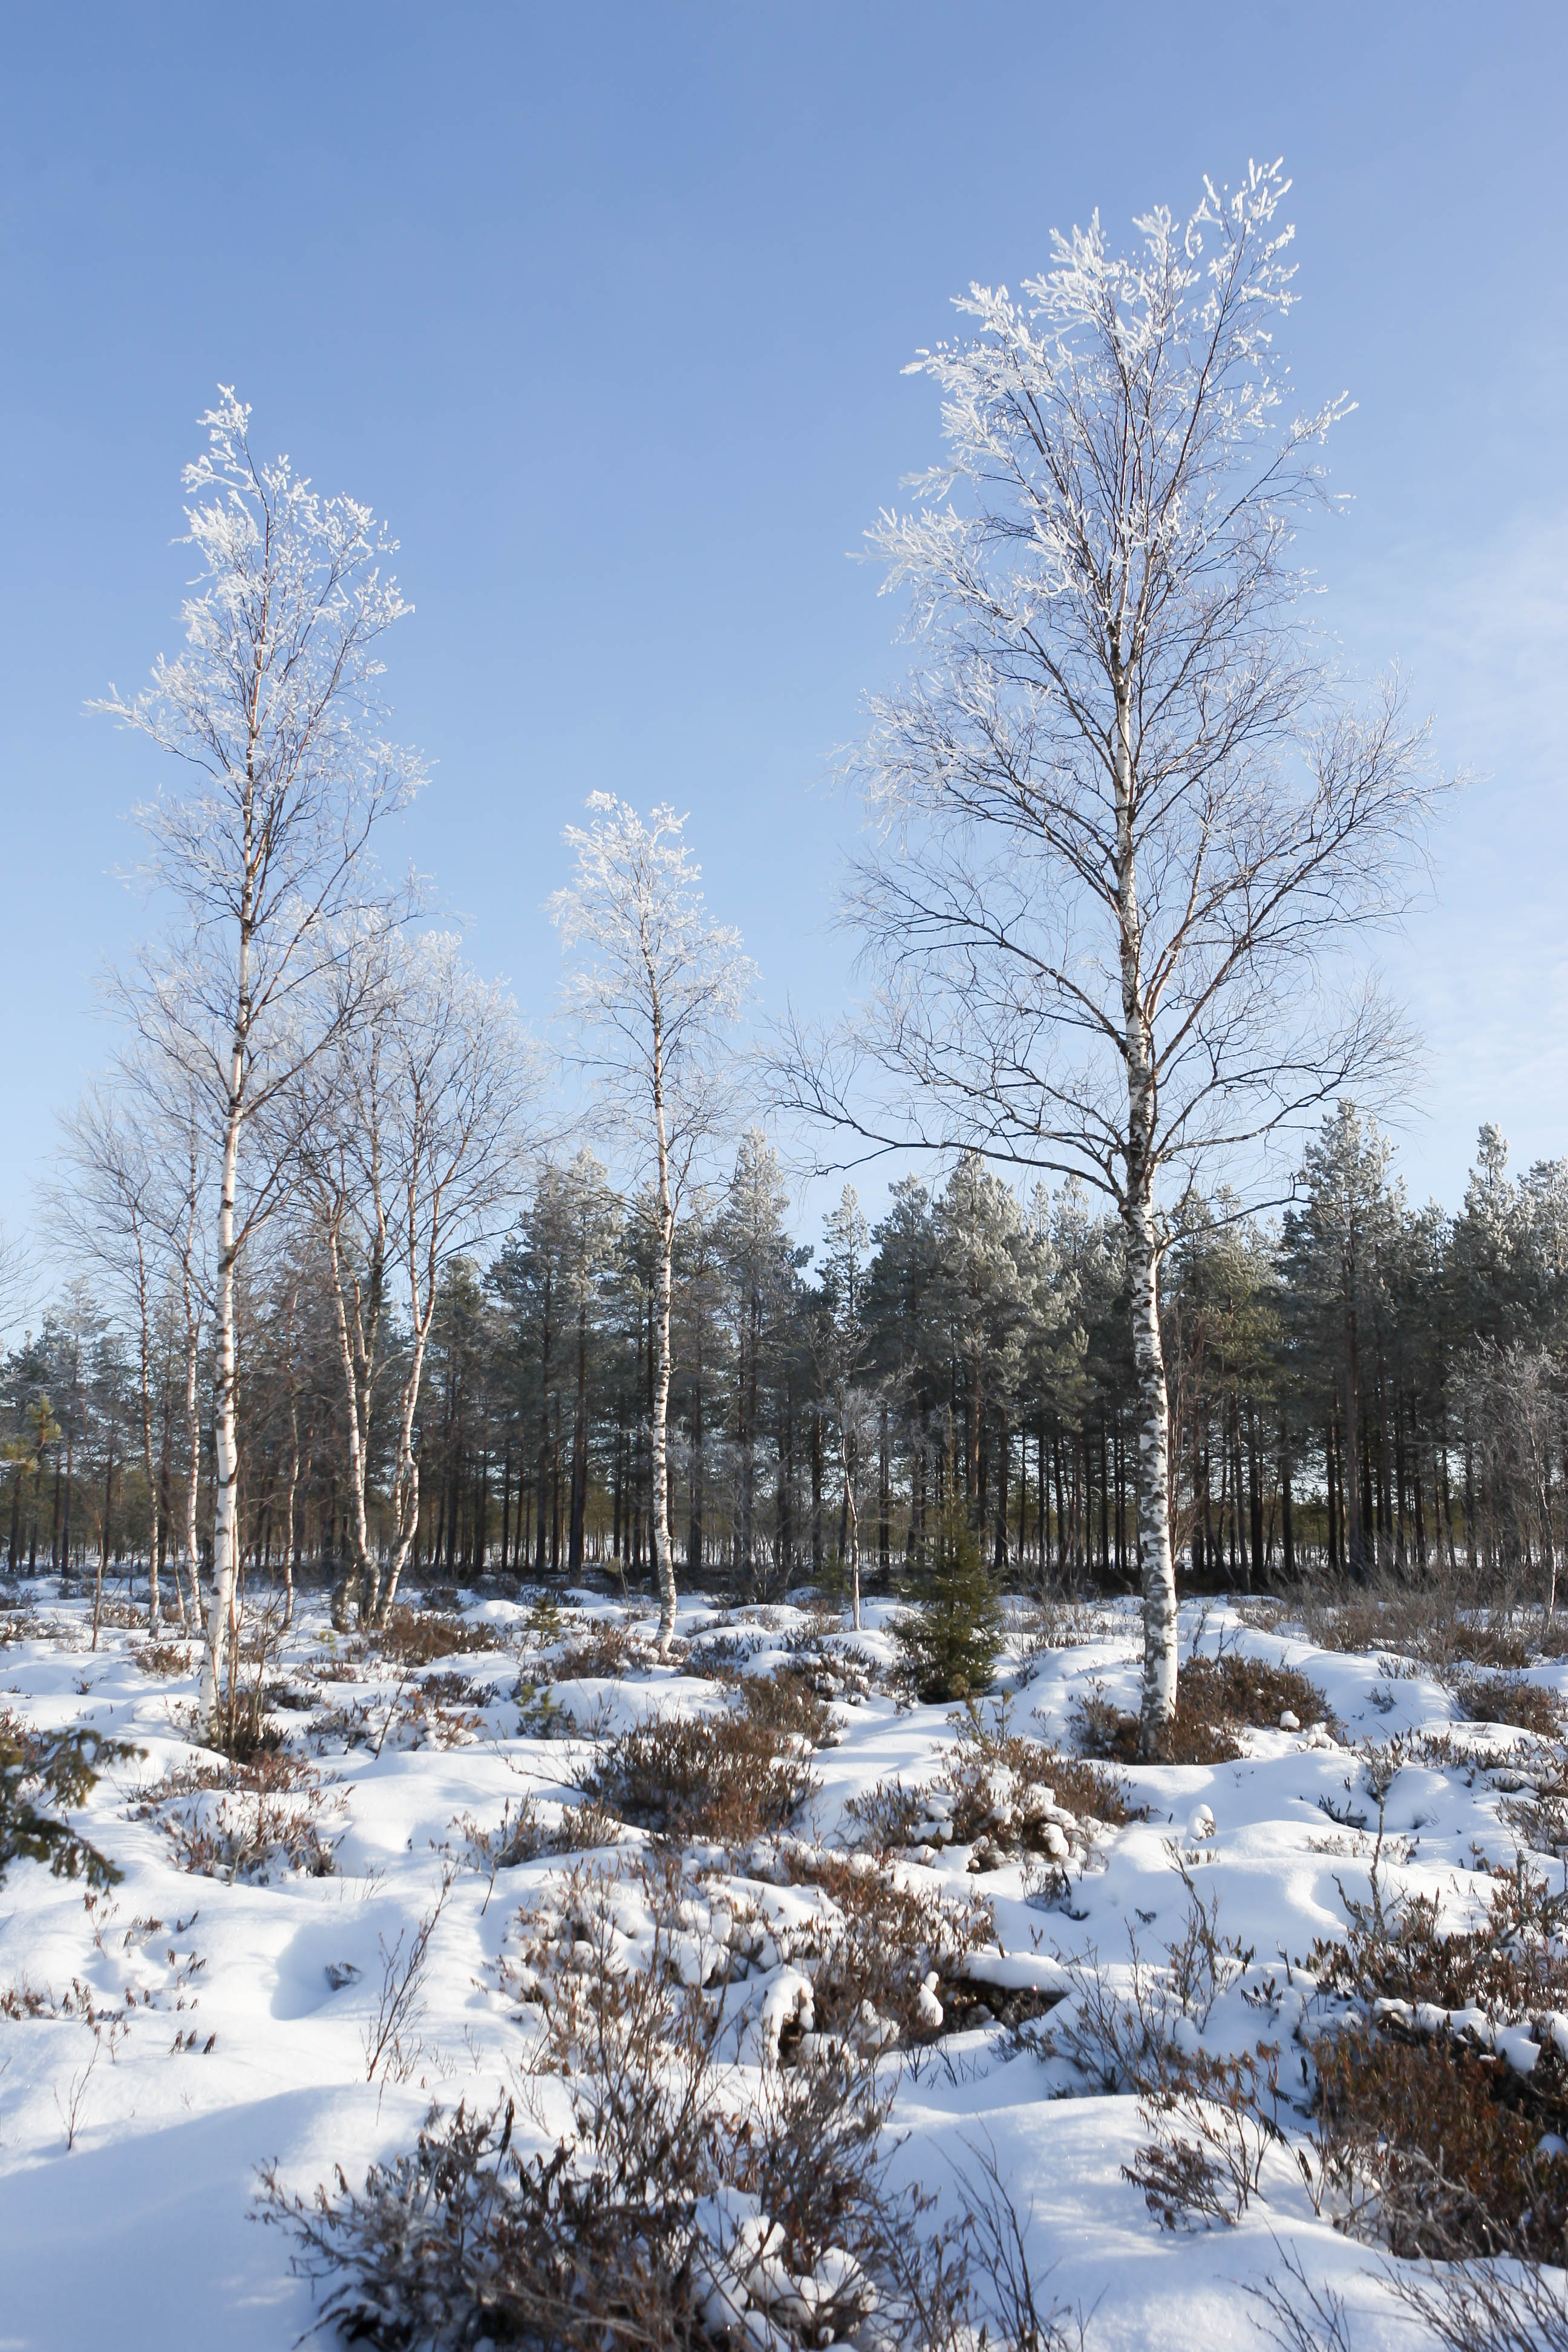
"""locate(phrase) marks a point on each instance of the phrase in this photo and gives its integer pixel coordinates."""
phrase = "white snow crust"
(246, 1995)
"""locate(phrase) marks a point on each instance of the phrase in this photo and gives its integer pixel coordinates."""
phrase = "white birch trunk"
(361, 1584)
(852, 1518)
(405, 1484)
(193, 1450)
(288, 1511)
(226, 1526)
(658, 1434)
(1156, 1567)
(1155, 1563)
(144, 1367)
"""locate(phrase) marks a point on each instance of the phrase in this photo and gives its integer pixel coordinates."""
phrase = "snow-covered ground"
(215, 2009)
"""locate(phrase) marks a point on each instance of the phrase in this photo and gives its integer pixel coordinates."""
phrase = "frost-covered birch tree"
(1121, 815)
(273, 710)
(412, 1134)
(112, 1211)
(653, 995)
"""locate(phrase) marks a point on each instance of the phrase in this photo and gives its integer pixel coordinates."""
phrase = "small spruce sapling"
(952, 1638)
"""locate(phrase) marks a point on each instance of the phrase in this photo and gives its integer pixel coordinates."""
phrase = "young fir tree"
(951, 1637)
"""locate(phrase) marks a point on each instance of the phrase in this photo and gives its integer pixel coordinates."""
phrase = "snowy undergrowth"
(1040, 1975)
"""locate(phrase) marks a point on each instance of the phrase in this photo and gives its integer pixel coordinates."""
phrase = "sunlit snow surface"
(143, 2225)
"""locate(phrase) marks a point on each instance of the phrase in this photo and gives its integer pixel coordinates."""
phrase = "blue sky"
(604, 307)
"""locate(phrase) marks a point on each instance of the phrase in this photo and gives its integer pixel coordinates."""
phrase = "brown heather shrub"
(785, 1704)
(1056, 1622)
(243, 1819)
(1234, 1689)
(1512, 1965)
(1435, 2147)
(20, 1624)
(718, 1654)
(1509, 1698)
(1429, 1621)
(119, 1615)
(355, 1724)
(727, 1779)
(446, 1599)
(624, 2238)
(888, 1814)
(834, 1669)
(603, 1652)
(1084, 1790)
(893, 1937)
(441, 1711)
(418, 1637)
(521, 1836)
(165, 1658)
(1214, 2121)
(1102, 1730)
(1215, 1697)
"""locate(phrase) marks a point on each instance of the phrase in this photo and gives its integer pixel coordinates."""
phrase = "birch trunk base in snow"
(1156, 1565)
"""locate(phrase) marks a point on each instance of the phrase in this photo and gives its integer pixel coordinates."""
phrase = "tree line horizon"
(1359, 1388)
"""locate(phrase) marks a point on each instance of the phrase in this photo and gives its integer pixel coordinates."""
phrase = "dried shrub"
(585, 1828)
(1138, 2033)
(246, 1819)
(1191, 1738)
(1428, 2137)
(1009, 1790)
(669, 2222)
(1435, 2147)
(833, 1667)
(1214, 2122)
(119, 1615)
(784, 1704)
(20, 1624)
(338, 1729)
(1056, 1621)
(719, 1656)
(1538, 1817)
(1509, 1698)
(1512, 1965)
(416, 1637)
(1254, 1691)
(887, 1961)
(887, 1816)
(604, 1651)
(1430, 1622)
(165, 1658)
(336, 1670)
(727, 1779)
(1215, 1698)
(445, 1600)
(523, 1835)
(441, 1711)
(656, 2240)
(1485, 2309)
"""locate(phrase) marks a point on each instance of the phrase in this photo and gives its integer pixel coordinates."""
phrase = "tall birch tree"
(1120, 814)
(653, 994)
(273, 710)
